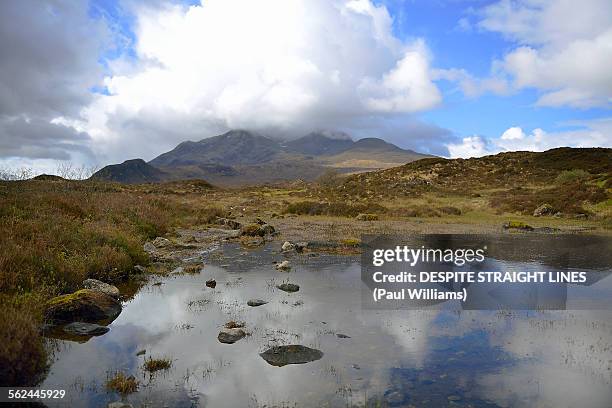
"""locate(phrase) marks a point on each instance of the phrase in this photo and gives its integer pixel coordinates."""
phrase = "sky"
(91, 83)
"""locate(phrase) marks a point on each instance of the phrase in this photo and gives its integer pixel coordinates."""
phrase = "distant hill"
(130, 172)
(565, 178)
(241, 157)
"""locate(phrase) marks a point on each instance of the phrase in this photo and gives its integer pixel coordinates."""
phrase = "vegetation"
(157, 364)
(57, 233)
(337, 209)
(122, 384)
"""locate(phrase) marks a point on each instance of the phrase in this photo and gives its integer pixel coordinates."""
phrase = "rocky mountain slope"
(241, 157)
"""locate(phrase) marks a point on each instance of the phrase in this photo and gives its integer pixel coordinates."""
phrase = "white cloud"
(594, 133)
(282, 67)
(564, 48)
(472, 146)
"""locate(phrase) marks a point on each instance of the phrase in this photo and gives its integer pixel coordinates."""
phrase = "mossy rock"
(351, 242)
(85, 305)
(517, 225)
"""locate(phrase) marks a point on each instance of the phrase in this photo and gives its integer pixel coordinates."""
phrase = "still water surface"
(427, 358)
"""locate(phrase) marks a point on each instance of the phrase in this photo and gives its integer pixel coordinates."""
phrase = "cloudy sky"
(98, 82)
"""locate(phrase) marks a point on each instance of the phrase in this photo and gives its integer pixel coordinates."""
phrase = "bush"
(572, 176)
(23, 358)
(336, 209)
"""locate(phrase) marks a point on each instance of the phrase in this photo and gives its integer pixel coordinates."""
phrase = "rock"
(367, 217)
(252, 230)
(140, 268)
(100, 286)
(211, 283)
(149, 247)
(85, 305)
(252, 241)
(300, 246)
(268, 229)
(234, 325)
(256, 302)
(289, 287)
(161, 242)
(283, 266)
(287, 246)
(119, 404)
(293, 354)
(543, 210)
(224, 232)
(518, 225)
(342, 336)
(85, 329)
(229, 336)
(233, 224)
(394, 398)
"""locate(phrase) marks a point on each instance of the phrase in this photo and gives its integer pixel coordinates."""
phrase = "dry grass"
(122, 384)
(157, 364)
(337, 209)
(55, 234)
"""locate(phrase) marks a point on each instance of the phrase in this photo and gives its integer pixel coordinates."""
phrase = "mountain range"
(241, 157)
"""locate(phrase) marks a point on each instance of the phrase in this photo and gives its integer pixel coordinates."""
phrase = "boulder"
(544, 210)
(229, 336)
(149, 247)
(293, 354)
(85, 329)
(367, 217)
(283, 266)
(100, 286)
(287, 246)
(289, 287)
(161, 242)
(85, 305)
(252, 230)
(211, 283)
(256, 302)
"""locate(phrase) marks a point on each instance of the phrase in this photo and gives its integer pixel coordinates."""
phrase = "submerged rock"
(289, 287)
(283, 266)
(256, 302)
(211, 283)
(293, 354)
(85, 329)
(85, 305)
(100, 286)
(229, 336)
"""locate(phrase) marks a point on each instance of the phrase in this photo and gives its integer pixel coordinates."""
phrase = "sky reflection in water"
(425, 358)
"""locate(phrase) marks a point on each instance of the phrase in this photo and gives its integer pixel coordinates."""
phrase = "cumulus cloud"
(593, 133)
(281, 67)
(49, 62)
(563, 48)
